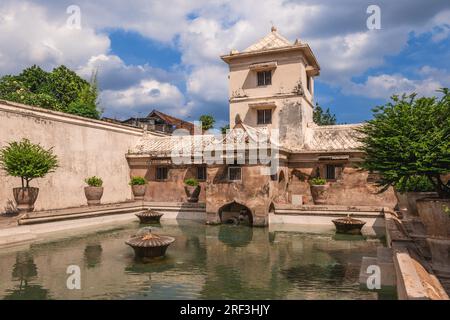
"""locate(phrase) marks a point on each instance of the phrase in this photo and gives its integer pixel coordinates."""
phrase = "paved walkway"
(8, 221)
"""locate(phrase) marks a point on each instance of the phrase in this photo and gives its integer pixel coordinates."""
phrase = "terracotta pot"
(435, 215)
(138, 191)
(319, 193)
(93, 195)
(192, 193)
(412, 198)
(25, 198)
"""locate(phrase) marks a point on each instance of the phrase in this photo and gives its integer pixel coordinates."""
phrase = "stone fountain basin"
(348, 225)
(149, 245)
(149, 216)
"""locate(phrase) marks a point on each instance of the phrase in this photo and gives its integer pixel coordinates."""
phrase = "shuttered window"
(234, 173)
(265, 116)
(264, 78)
(161, 173)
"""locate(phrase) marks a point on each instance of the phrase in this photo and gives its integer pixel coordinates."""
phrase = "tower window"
(264, 116)
(264, 78)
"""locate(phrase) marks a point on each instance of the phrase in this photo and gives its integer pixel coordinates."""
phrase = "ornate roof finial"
(273, 29)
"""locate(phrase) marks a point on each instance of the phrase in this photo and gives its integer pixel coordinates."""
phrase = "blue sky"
(165, 55)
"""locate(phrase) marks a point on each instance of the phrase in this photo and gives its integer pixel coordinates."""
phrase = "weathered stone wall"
(170, 190)
(350, 188)
(253, 191)
(84, 148)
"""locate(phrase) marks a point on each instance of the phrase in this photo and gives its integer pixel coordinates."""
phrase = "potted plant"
(192, 189)
(319, 190)
(408, 191)
(94, 190)
(409, 137)
(28, 161)
(138, 186)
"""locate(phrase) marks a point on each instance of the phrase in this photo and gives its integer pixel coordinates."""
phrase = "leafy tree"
(207, 121)
(60, 90)
(407, 138)
(86, 104)
(225, 128)
(34, 79)
(27, 160)
(323, 118)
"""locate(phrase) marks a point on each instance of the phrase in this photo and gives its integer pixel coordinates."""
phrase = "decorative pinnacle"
(273, 29)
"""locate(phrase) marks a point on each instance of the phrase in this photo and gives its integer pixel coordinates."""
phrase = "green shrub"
(408, 137)
(318, 181)
(191, 182)
(414, 184)
(94, 181)
(27, 160)
(137, 181)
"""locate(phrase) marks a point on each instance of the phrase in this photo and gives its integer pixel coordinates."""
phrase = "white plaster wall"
(84, 148)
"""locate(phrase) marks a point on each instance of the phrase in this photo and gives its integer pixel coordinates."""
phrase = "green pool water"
(205, 262)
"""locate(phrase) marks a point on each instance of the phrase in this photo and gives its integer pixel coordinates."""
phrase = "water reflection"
(24, 271)
(235, 235)
(204, 262)
(92, 255)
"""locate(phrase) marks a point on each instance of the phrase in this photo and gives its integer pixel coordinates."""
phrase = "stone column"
(260, 217)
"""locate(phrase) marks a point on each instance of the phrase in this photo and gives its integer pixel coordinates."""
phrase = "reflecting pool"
(205, 262)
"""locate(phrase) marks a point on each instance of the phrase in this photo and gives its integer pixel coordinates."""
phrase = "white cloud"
(114, 74)
(147, 94)
(385, 85)
(209, 83)
(203, 30)
(29, 36)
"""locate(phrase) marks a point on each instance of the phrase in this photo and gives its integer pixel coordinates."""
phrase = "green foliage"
(137, 181)
(94, 181)
(318, 181)
(27, 160)
(323, 118)
(59, 90)
(207, 121)
(414, 184)
(191, 182)
(225, 128)
(409, 137)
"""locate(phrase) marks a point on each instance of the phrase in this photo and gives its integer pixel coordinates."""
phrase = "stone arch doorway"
(236, 213)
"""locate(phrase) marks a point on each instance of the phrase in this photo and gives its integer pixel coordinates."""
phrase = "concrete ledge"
(27, 233)
(413, 281)
(328, 208)
(194, 211)
(41, 113)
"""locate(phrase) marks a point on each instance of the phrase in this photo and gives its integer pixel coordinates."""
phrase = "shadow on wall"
(10, 208)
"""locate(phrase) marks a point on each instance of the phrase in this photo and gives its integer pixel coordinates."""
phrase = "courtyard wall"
(84, 147)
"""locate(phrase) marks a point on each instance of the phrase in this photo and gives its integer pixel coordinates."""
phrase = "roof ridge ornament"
(273, 29)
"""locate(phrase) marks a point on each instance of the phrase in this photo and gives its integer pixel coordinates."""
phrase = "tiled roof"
(170, 119)
(271, 41)
(319, 138)
(164, 146)
(333, 138)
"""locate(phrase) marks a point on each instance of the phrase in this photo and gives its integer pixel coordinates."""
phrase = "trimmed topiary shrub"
(94, 181)
(191, 182)
(137, 181)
